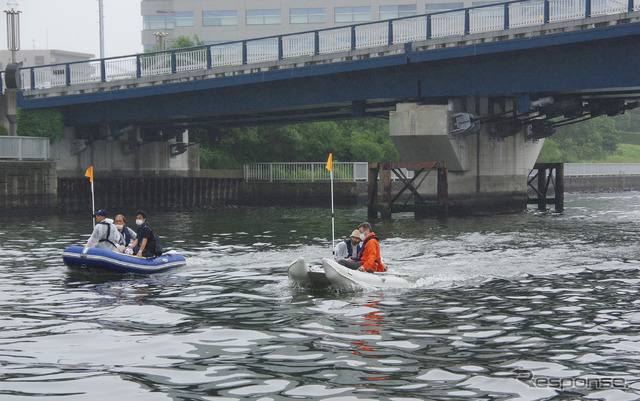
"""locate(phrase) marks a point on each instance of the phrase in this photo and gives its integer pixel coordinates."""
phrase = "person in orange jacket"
(369, 255)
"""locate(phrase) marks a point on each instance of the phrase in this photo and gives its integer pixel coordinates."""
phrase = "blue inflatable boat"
(101, 259)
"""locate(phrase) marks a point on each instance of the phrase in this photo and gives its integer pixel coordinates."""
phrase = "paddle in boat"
(91, 259)
(333, 273)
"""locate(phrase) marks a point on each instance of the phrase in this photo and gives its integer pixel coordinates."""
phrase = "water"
(528, 306)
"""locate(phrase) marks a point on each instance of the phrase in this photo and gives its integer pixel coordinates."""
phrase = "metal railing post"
(209, 58)
(545, 14)
(506, 15)
(103, 71)
(466, 22)
(630, 5)
(270, 172)
(587, 8)
(67, 72)
(428, 27)
(174, 62)
(244, 52)
(353, 37)
(390, 33)
(33, 77)
(316, 42)
(280, 49)
(138, 66)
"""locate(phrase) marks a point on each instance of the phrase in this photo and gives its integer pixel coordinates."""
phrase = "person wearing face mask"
(105, 235)
(368, 259)
(347, 250)
(145, 243)
(128, 235)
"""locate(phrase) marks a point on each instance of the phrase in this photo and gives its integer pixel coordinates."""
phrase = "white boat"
(333, 273)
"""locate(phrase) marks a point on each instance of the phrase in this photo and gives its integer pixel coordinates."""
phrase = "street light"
(160, 41)
(13, 28)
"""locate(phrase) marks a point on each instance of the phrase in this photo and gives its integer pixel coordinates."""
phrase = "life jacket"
(108, 234)
(350, 248)
(364, 243)
(127, 236)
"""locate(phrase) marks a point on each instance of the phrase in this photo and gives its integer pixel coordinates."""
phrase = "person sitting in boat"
(105, 235)
(369, 259)
(145, 243)
(128, 235)
(348, 249)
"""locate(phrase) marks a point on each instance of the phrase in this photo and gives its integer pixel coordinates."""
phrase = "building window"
(219, 18)
(184, 18)
(388, 12)
(435, 7)
(39, 60)
(352, 14)
(156, 22)
(263, 17)
(307, 15)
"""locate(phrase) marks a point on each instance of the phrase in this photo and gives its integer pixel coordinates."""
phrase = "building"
(217, 21)
(32, 58)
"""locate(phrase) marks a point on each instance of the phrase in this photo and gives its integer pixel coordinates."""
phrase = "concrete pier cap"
(487, 174)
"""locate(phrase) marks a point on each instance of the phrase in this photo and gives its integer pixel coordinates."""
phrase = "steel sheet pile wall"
(129, 194)
(27, 187)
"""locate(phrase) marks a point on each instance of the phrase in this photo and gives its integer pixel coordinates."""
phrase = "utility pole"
(101, 23)
(12, 71)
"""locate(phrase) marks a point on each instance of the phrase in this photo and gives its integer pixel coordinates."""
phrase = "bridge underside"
(584, 70)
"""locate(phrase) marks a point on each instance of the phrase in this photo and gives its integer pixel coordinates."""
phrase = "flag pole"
(89, 173)
(333, 223)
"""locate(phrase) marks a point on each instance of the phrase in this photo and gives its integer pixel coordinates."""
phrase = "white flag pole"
(93, 205)
(333, 220)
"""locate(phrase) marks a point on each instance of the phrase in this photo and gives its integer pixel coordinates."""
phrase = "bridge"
(475, 87)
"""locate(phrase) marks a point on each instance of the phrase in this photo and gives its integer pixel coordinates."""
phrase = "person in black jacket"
(144, 245)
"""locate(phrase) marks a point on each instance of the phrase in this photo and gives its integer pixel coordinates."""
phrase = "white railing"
(305, 171)
(485, 18)
(447, 24)
(24, 147)
(600, 169)
(526, 13)
(188, 60)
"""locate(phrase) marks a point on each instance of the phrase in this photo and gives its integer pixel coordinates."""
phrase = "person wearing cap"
(368, 259)
(347, 249)
(145, 243)
(105, 235)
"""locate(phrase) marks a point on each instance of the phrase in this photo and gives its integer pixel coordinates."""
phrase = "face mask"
(362, 237)
(119, 226)
(139, 222)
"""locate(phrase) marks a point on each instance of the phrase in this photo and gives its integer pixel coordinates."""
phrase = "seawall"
(28, 187)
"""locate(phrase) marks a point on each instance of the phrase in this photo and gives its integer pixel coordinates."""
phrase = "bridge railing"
(484, 18)
(24, 147)
(305, 171)
(600, 169)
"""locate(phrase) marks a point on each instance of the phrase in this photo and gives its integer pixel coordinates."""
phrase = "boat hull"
(342, 276)
(90, 259)
(333, 273)
(306, 275)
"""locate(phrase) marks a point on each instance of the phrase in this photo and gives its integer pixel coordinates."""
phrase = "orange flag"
(89, 173)
(330, 162)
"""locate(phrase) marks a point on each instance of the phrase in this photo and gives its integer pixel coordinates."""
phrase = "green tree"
(589, 140)
(184, 41)
(47, 123)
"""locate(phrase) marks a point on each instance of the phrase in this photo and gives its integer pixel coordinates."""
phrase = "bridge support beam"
(486, 174)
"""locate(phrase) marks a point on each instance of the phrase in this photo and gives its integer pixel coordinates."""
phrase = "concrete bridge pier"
(487, 167)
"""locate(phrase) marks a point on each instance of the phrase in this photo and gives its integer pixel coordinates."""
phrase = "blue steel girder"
(572, 64)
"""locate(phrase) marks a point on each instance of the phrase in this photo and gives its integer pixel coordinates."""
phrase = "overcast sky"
(73, 25)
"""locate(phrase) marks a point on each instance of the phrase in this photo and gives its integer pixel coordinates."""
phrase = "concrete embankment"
(34, 187)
